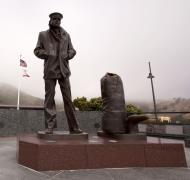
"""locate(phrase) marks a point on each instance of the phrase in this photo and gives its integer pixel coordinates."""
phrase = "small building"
(165, 119)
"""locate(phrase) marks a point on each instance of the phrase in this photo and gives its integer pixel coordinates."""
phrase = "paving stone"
(150, 174)
(83, 175)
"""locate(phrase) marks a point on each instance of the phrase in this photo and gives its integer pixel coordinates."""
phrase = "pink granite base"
(43, 155)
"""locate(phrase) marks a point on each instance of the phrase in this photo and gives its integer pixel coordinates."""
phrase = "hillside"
(171, 105)
(8, 96)
(175, 104)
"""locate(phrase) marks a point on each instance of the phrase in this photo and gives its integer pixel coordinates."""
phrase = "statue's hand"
(41, 53)
(44, 54)
(71, 53)
(67, 58)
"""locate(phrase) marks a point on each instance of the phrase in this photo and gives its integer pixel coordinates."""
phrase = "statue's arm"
(71, 51)
(40, 51)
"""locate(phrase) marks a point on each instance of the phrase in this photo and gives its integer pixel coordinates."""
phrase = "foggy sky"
(118, 36)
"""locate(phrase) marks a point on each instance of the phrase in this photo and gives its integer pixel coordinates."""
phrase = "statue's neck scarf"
(57, 33)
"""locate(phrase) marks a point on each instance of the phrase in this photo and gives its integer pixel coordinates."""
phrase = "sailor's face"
(55, 21)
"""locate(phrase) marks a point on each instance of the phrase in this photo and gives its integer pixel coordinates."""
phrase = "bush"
(131, 109)
(94, 104)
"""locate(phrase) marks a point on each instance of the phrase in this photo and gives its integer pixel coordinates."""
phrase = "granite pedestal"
(127, 137)
(96, 152)
(62, 135)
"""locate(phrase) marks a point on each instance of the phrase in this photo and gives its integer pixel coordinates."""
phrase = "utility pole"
(150, 76)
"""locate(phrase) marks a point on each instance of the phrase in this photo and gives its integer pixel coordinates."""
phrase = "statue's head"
(55, 19)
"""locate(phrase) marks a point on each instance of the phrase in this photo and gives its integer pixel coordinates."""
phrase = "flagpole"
(19, 85)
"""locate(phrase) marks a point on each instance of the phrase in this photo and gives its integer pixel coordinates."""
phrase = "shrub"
(94, 104)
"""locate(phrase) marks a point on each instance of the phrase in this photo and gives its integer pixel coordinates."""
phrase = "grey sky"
(118, 36)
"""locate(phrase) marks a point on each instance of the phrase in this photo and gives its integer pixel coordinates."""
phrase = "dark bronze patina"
(55, 48)
(113, 119)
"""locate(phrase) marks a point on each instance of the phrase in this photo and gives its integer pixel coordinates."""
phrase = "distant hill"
(8, 96)
(173, 105)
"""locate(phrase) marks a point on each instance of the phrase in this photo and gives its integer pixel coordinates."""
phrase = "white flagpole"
(19, 85)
